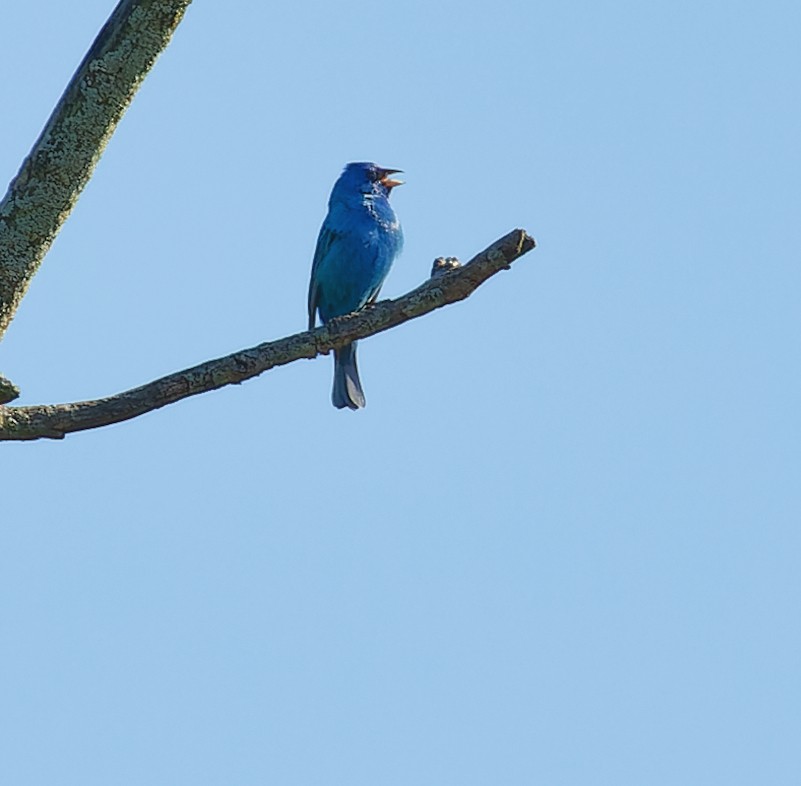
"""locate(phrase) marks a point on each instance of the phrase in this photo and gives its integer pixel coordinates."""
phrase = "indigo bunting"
(358, 242)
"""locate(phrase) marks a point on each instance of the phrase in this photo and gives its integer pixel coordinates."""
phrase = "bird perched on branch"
(359, 240)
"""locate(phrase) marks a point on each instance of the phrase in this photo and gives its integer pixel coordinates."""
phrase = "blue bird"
(358, 242)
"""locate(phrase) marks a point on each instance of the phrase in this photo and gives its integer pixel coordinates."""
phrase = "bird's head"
(364, 178)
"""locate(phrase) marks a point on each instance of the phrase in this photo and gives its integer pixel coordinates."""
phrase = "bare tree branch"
(53, 175)
(449, 284)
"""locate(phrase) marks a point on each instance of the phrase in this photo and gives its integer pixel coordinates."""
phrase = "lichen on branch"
(52, 176)
(446, 286)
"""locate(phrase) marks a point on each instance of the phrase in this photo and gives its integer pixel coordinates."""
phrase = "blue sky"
(561, 543)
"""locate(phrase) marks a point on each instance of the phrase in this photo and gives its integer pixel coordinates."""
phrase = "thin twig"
(8, 390)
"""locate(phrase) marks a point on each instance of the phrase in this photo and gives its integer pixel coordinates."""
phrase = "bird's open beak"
(387, 181)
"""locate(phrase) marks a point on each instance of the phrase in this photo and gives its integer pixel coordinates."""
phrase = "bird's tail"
(347, 390)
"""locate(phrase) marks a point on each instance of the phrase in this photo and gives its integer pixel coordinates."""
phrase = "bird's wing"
(325, 240)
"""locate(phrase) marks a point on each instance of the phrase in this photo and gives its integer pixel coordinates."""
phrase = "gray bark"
(449, 283)
(51, 178)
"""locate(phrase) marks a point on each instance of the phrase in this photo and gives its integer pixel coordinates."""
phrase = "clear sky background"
(560, 545)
